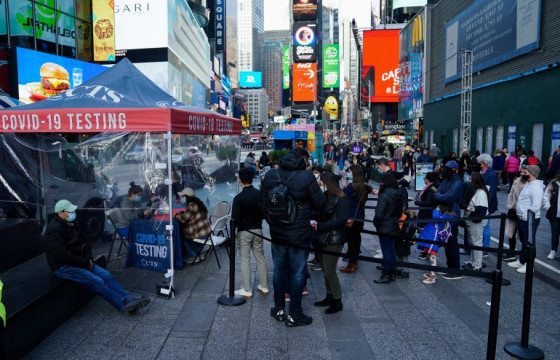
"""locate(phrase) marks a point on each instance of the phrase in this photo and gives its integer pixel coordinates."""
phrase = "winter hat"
(534, 170)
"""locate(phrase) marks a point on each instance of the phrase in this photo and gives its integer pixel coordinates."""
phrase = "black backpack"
(280, 207)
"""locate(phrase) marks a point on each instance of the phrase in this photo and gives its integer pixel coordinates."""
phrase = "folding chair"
(219, 219)
(114, 216)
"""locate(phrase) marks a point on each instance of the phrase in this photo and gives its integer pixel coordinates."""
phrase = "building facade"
(272, 74)
(257, 106)
(250, 34)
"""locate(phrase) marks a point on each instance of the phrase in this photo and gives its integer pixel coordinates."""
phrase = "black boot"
(335, 307)
(385, 278)
(325, 302)
(402, 274)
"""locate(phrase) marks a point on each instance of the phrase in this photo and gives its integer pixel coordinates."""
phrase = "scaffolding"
(466, 98)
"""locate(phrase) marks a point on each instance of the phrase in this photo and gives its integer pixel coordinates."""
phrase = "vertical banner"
(286, 67)
(220, 12)
(511, 137)
(555, 138)
(305, 82)
(331, 65)
(380, 66)
(103, 30)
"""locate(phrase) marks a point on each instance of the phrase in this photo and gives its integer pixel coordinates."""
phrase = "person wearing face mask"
(131, 208)
(69, 256)
(193, 222)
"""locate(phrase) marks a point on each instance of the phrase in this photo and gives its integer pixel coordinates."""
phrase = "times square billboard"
(380, 66)
(305, 41)
(304, 9)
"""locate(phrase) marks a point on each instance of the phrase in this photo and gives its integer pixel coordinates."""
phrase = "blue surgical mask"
(349, 177)
(138, 198)
(183, 200)
(379, 171)
(71, 217)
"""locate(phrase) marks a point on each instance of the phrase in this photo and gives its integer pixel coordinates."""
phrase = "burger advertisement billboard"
(331, 64)
(305, 42)
(304, 9)
(305, 82)
(42, 75)
(380, 66)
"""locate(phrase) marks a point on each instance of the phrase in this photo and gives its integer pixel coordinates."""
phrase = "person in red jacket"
(511, 167)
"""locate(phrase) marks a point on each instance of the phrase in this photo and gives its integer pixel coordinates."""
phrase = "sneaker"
(464, 251)
(314, 261)
(244, 293)
(402, 274)
(522, 269)
(278, 313)
(509, 258)
(298, 320)
(316, 267)
(515, 264)
(305, 292)
(484, 254)
(132, 305)
(422, 256)
(378, 256)
(263, 290)
(448, 276)
(551, 255)
(470, 267)
(286, 297)
(427, 275)
(430, 279)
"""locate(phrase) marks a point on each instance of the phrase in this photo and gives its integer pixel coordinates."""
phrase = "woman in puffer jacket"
(511, 167)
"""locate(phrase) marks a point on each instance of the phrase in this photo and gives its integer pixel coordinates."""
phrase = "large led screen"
(250, 79)
(304, 9)
(495, 31)
(42, 75)
(305, 82)
(140, 25)
(286, 67)
(380, 66)
(305, 41)
(331, 66)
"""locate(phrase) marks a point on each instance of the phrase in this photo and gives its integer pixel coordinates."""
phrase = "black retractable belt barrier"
(494, 314)
(505, 282)
(523, 350)
(231, 299)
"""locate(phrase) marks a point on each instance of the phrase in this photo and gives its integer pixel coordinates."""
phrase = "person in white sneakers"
(550, 205)
(531, 198)
(247, 215)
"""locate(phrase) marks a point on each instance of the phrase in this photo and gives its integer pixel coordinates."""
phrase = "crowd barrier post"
(505, 282)
(494, 314)
(231, 299)
(522, 350)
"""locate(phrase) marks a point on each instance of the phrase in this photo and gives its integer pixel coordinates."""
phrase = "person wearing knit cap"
(530, 198)
(491, 180)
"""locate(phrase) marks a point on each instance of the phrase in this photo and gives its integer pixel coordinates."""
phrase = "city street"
(404, 320)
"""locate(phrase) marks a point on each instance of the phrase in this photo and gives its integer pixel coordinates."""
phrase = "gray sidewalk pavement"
(403, 320)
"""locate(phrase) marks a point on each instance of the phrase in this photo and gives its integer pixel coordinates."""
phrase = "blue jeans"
(97, 280)
(486, 235)
(523, 231)
(389, 252)
(290, 267)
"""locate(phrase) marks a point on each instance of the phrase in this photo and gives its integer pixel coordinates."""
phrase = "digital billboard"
(304, 9)
(380, 66)
(42, 75)
(141, 25)
(495, 31)
(305, 41)
(286, 67)
(408, 3)
(304, 82)
(331, 66)
(250, 79)
(103, 31)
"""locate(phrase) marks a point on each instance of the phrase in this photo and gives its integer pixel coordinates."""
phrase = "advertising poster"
(305, 42)
(421, 170)
(305, 82)
(380, 66)
(151, 15)
(331, 66)
(304, 9)
(42, 75)
(47, 26)
(331, 107)
(555, 138)
(495, 31)
(103, 30)
(250, 79)
(286, 67)
(511, 137)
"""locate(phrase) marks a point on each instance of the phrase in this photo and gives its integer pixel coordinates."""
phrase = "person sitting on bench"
(69, 256)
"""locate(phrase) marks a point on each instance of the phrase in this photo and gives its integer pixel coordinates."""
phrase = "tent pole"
(171, 272)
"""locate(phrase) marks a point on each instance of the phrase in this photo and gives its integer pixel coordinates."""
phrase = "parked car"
(140, 153)
(183, 155)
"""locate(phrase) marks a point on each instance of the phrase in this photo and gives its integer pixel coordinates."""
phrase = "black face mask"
(525, 177)
(446, 173)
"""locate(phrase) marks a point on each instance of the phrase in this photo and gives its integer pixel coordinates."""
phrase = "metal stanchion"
(523, 350)
(494, 314)
(231, 299)
(505, 282)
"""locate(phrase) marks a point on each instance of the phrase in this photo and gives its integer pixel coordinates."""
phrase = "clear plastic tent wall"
(40, 169)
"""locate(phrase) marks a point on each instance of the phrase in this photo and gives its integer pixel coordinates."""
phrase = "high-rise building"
(272, 73)
(257, 105)
(250, 34)
(351, 68)
(282, 36)
(330, 24)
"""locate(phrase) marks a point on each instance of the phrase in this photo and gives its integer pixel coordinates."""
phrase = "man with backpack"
(288, 196)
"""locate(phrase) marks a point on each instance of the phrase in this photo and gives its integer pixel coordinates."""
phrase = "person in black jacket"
(70, 257)
(332, 236)
(426, 198)
(290, 263)
(387, 213)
